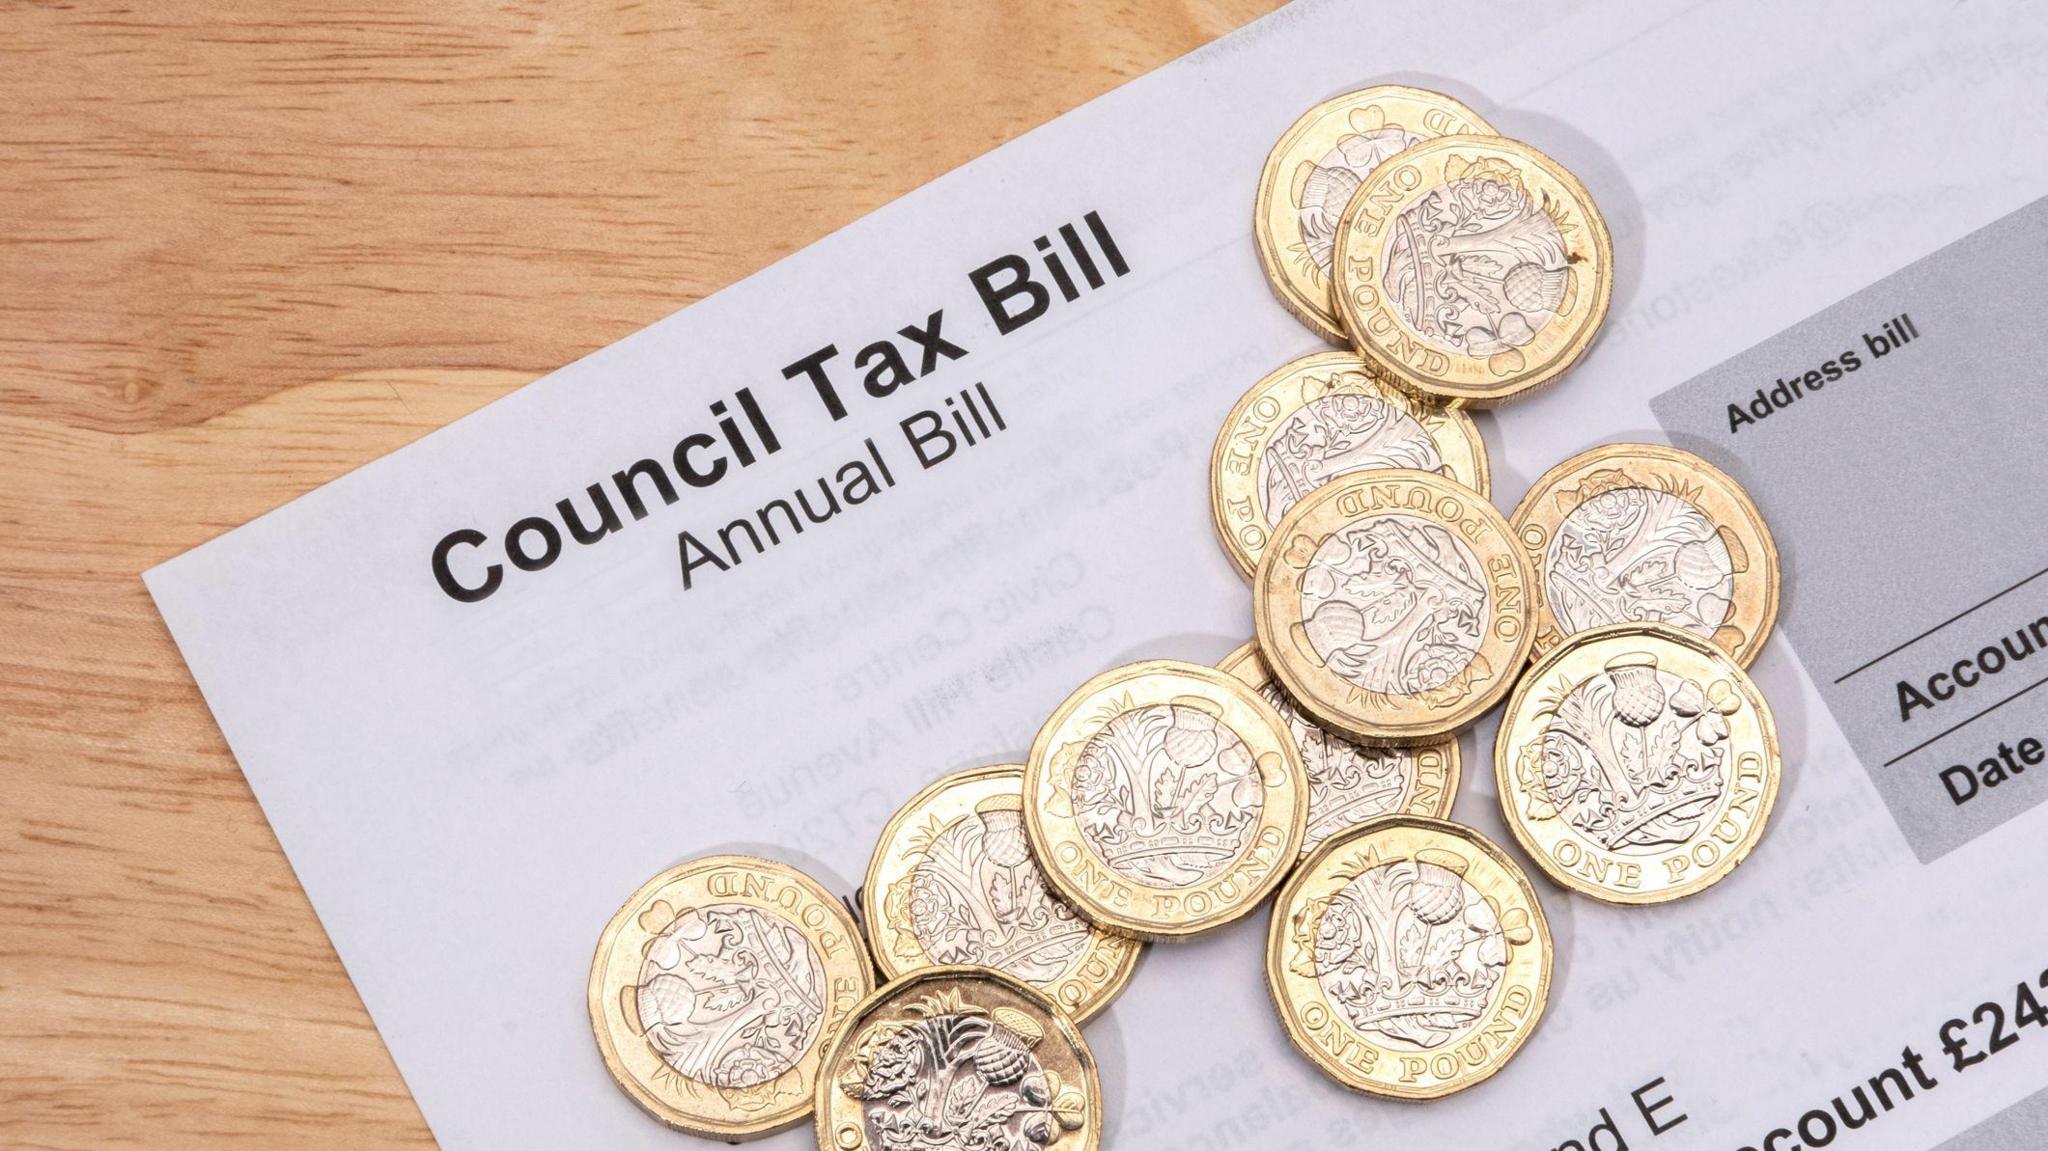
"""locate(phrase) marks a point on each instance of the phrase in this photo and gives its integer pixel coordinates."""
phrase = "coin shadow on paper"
(1105, 1036)
(1778, 678)
(1206, 648)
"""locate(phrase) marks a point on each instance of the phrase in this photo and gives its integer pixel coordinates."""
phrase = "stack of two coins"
(1636, 761)
(733, 997)
(1408, 956)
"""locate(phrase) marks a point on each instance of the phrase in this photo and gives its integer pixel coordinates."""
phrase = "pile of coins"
(1318, 765)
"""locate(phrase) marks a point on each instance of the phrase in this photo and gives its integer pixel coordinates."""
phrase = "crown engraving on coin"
(1165, 794)
(1396, 605)
(1170, 799)
(1473, 269)
(1478, 265)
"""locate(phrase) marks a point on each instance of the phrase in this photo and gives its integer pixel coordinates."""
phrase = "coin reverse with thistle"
(1408, 957)
(952, 882)
(1644, 533)
(1313, 170)
(1473, 269)
(1318, 418)
(1349, 783)
(1165, 798)
(715, 989)
(1393, 606)
(958, 1059)
(1637, 763)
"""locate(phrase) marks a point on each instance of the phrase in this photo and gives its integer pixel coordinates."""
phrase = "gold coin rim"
(668, 1115)
(1325, 319)
(1277, 932)
(1197, 676)
(1450, 387)
(1758, 609)
(1457, 431)
(1354, 724)
(1100, 995)
(1248, 655)
(1507, 791)
(1068, 1028)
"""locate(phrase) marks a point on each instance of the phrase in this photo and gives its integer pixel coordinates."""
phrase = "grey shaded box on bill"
(1892, 442)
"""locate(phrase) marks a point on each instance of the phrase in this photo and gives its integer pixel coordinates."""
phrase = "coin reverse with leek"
(1349, 783)
(1473, 269)
(1317, 418)
(959, 1059)
(715, 989)
(1165, 798)
(1393, 606)
(952, 881)
(1643, 533)
(1408, 958)
(1312, 172)
(1637, 763)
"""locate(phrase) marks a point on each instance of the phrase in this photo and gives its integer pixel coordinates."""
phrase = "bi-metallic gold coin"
(1320, 417)
(1164, 799)
(1473, 269)
(1393, 606)
(1408, 957)
(715, 990)
(1643, 533)
(1637, 763)
(1349, 783)
(1313, 170)
(953, 882)
(959, 1059)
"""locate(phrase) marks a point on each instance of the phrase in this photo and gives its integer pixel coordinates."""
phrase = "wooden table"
(246, 247)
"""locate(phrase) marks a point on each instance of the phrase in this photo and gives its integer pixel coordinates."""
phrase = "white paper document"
(748, 579)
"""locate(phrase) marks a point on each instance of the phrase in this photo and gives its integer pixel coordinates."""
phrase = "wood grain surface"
(245, 247)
